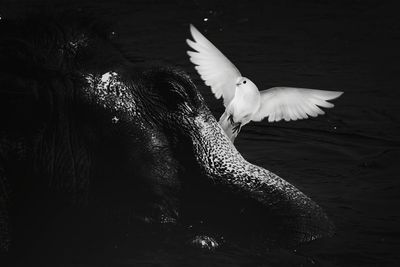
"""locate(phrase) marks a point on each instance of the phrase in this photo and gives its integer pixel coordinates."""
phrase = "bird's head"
(246, 83)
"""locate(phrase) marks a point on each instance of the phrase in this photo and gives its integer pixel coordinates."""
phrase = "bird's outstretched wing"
(291, 103)
(214, 68)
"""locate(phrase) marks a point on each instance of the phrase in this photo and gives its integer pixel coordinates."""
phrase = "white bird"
(242, 99)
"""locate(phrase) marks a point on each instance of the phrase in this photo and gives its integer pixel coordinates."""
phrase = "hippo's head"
(217, 185)
(90, 121)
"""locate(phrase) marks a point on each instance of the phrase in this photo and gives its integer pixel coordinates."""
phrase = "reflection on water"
(346, 160)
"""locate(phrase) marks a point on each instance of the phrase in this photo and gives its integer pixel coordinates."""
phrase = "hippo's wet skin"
(83, 127)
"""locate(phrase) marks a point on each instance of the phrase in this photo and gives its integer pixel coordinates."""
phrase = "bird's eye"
(244, 81)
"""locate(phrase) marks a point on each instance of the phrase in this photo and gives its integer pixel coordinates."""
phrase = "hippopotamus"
(86, 128)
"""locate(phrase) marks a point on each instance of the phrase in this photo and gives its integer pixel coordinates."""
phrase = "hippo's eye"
(244, 81)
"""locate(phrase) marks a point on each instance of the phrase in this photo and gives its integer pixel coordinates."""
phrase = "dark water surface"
(347, 160)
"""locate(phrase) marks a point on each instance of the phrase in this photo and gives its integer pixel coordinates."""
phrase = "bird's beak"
(238, 84)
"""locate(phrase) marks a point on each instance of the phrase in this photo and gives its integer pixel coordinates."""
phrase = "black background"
(347, 160)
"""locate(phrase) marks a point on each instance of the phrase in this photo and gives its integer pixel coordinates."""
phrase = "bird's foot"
(230, 118)
(237, 127)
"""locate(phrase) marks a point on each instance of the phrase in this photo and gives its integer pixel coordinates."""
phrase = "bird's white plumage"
(243, 101)
(214, 68)
(289, 103)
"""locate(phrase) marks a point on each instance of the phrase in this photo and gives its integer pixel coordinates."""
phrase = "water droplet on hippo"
(115, 120)
(204, 242)
(113, 35)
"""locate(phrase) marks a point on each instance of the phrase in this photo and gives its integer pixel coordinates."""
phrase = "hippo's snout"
(250, 197)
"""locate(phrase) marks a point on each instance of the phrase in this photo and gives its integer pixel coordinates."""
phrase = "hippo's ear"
(171, 90)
